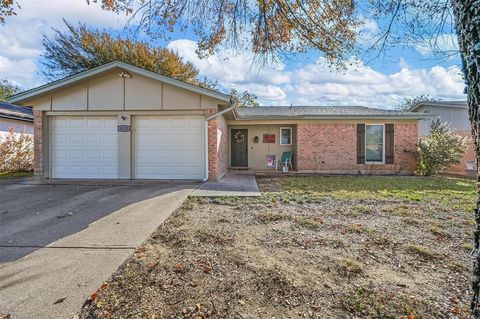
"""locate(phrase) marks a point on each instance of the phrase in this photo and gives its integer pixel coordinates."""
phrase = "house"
(455, 113)
(121, 121)
(18, 118)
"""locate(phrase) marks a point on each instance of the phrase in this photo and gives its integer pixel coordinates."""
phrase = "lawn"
(11, 175)
(309, 247)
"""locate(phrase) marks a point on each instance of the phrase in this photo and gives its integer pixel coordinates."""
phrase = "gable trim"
(46, 88)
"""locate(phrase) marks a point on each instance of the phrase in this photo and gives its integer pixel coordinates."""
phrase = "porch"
(257, 147)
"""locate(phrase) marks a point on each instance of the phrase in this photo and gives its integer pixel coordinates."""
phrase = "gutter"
(335, 117)
(233, 105)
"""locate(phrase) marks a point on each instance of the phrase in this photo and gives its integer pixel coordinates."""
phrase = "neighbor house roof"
(109, 66)
(456, 104)
(15, 112)
(321, 112)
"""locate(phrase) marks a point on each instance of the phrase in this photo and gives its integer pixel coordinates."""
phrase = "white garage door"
(84, 147)
(169, 147)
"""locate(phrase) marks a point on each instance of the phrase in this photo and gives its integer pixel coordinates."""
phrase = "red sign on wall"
(268, 138)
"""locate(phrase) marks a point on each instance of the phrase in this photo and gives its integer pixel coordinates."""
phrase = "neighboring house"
(455, 113)
(18, 118)
(120, 121)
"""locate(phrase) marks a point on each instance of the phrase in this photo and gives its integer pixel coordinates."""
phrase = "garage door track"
(60, 241)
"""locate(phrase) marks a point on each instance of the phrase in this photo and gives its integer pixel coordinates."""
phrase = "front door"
(239, 147)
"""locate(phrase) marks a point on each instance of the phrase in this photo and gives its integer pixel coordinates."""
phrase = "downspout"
(233, 105)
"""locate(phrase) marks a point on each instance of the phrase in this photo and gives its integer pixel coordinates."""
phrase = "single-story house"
(121, 121)
(18, 118)
(455, 113)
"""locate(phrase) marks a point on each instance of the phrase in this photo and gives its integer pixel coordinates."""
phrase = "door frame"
(231, 145)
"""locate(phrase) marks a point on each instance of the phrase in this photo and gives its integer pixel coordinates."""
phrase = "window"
(285, 136)
(374, 143)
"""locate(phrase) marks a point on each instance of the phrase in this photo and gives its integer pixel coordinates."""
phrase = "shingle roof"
(15, 112)
(319, 112)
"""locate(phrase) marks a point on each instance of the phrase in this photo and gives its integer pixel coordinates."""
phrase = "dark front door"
(239, 147)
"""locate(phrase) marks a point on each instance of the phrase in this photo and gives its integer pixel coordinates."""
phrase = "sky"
(302, 80)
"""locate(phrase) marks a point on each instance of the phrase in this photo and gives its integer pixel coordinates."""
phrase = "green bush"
(440, 150)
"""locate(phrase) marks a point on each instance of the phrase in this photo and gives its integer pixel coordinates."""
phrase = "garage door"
(169, 147)
(84, 147)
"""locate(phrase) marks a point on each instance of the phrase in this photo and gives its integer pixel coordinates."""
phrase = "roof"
(321, 112)
(457, 104)
(46, 88)
(15, 112)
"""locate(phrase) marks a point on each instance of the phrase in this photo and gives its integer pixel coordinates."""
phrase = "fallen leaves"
(93, 296)
(60, 300)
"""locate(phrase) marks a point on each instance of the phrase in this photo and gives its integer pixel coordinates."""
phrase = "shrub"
(440, 150)
(16, 152)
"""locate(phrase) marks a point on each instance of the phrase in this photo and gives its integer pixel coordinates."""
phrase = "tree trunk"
(467, 20)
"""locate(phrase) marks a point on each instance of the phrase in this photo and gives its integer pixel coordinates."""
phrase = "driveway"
(64, 239)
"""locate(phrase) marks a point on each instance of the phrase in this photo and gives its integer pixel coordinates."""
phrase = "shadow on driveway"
(34, 214)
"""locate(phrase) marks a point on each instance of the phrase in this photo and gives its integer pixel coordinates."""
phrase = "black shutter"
(389, 144)
(360, 143)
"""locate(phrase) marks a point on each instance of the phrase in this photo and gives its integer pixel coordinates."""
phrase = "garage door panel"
(166, 147)
(84, 147)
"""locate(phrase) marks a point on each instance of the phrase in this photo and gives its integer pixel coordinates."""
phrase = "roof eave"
(17, 118)
(334, 117)
(108, 66)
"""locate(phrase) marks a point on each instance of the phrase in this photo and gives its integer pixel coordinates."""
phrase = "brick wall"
(332, 148)
(38, 143)
(469, 155)
(217, 147)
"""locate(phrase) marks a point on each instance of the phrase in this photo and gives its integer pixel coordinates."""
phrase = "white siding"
(456, 117)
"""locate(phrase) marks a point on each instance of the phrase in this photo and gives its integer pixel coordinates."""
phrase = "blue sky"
(303, 80)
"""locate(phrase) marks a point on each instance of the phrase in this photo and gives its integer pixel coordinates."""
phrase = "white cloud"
(317, 84)
(21, 36)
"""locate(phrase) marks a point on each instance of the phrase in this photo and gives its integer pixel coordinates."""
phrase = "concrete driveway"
(63, 239)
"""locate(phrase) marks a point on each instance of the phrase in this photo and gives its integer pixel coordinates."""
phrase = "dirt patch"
(309, 256)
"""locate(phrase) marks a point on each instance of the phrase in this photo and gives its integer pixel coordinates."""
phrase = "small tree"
(246, 99)
(7, 89)
(440, 150)
(409, 102)
(16, 152)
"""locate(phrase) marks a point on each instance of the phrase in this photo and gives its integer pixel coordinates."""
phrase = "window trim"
(383, 144)
(291, 135)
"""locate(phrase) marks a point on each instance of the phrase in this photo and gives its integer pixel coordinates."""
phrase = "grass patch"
(468, 247)
(307, 223)
(454, 192)
(440, 232)
(368, 303)
(355, 228)
(349, 267)
(361, 209)
(422, 251)
(10, 175)
(271, 217)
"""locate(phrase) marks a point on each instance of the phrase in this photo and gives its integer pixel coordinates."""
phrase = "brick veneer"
(38, 143)
(217, 147)
(332, 148)
(469, 155)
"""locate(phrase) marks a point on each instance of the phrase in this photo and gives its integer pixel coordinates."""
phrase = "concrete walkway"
(76, 265)
(235, 183)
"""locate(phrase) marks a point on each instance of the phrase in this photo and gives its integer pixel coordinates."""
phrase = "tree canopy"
(268, 27)
(7, 89)
(79, 49)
